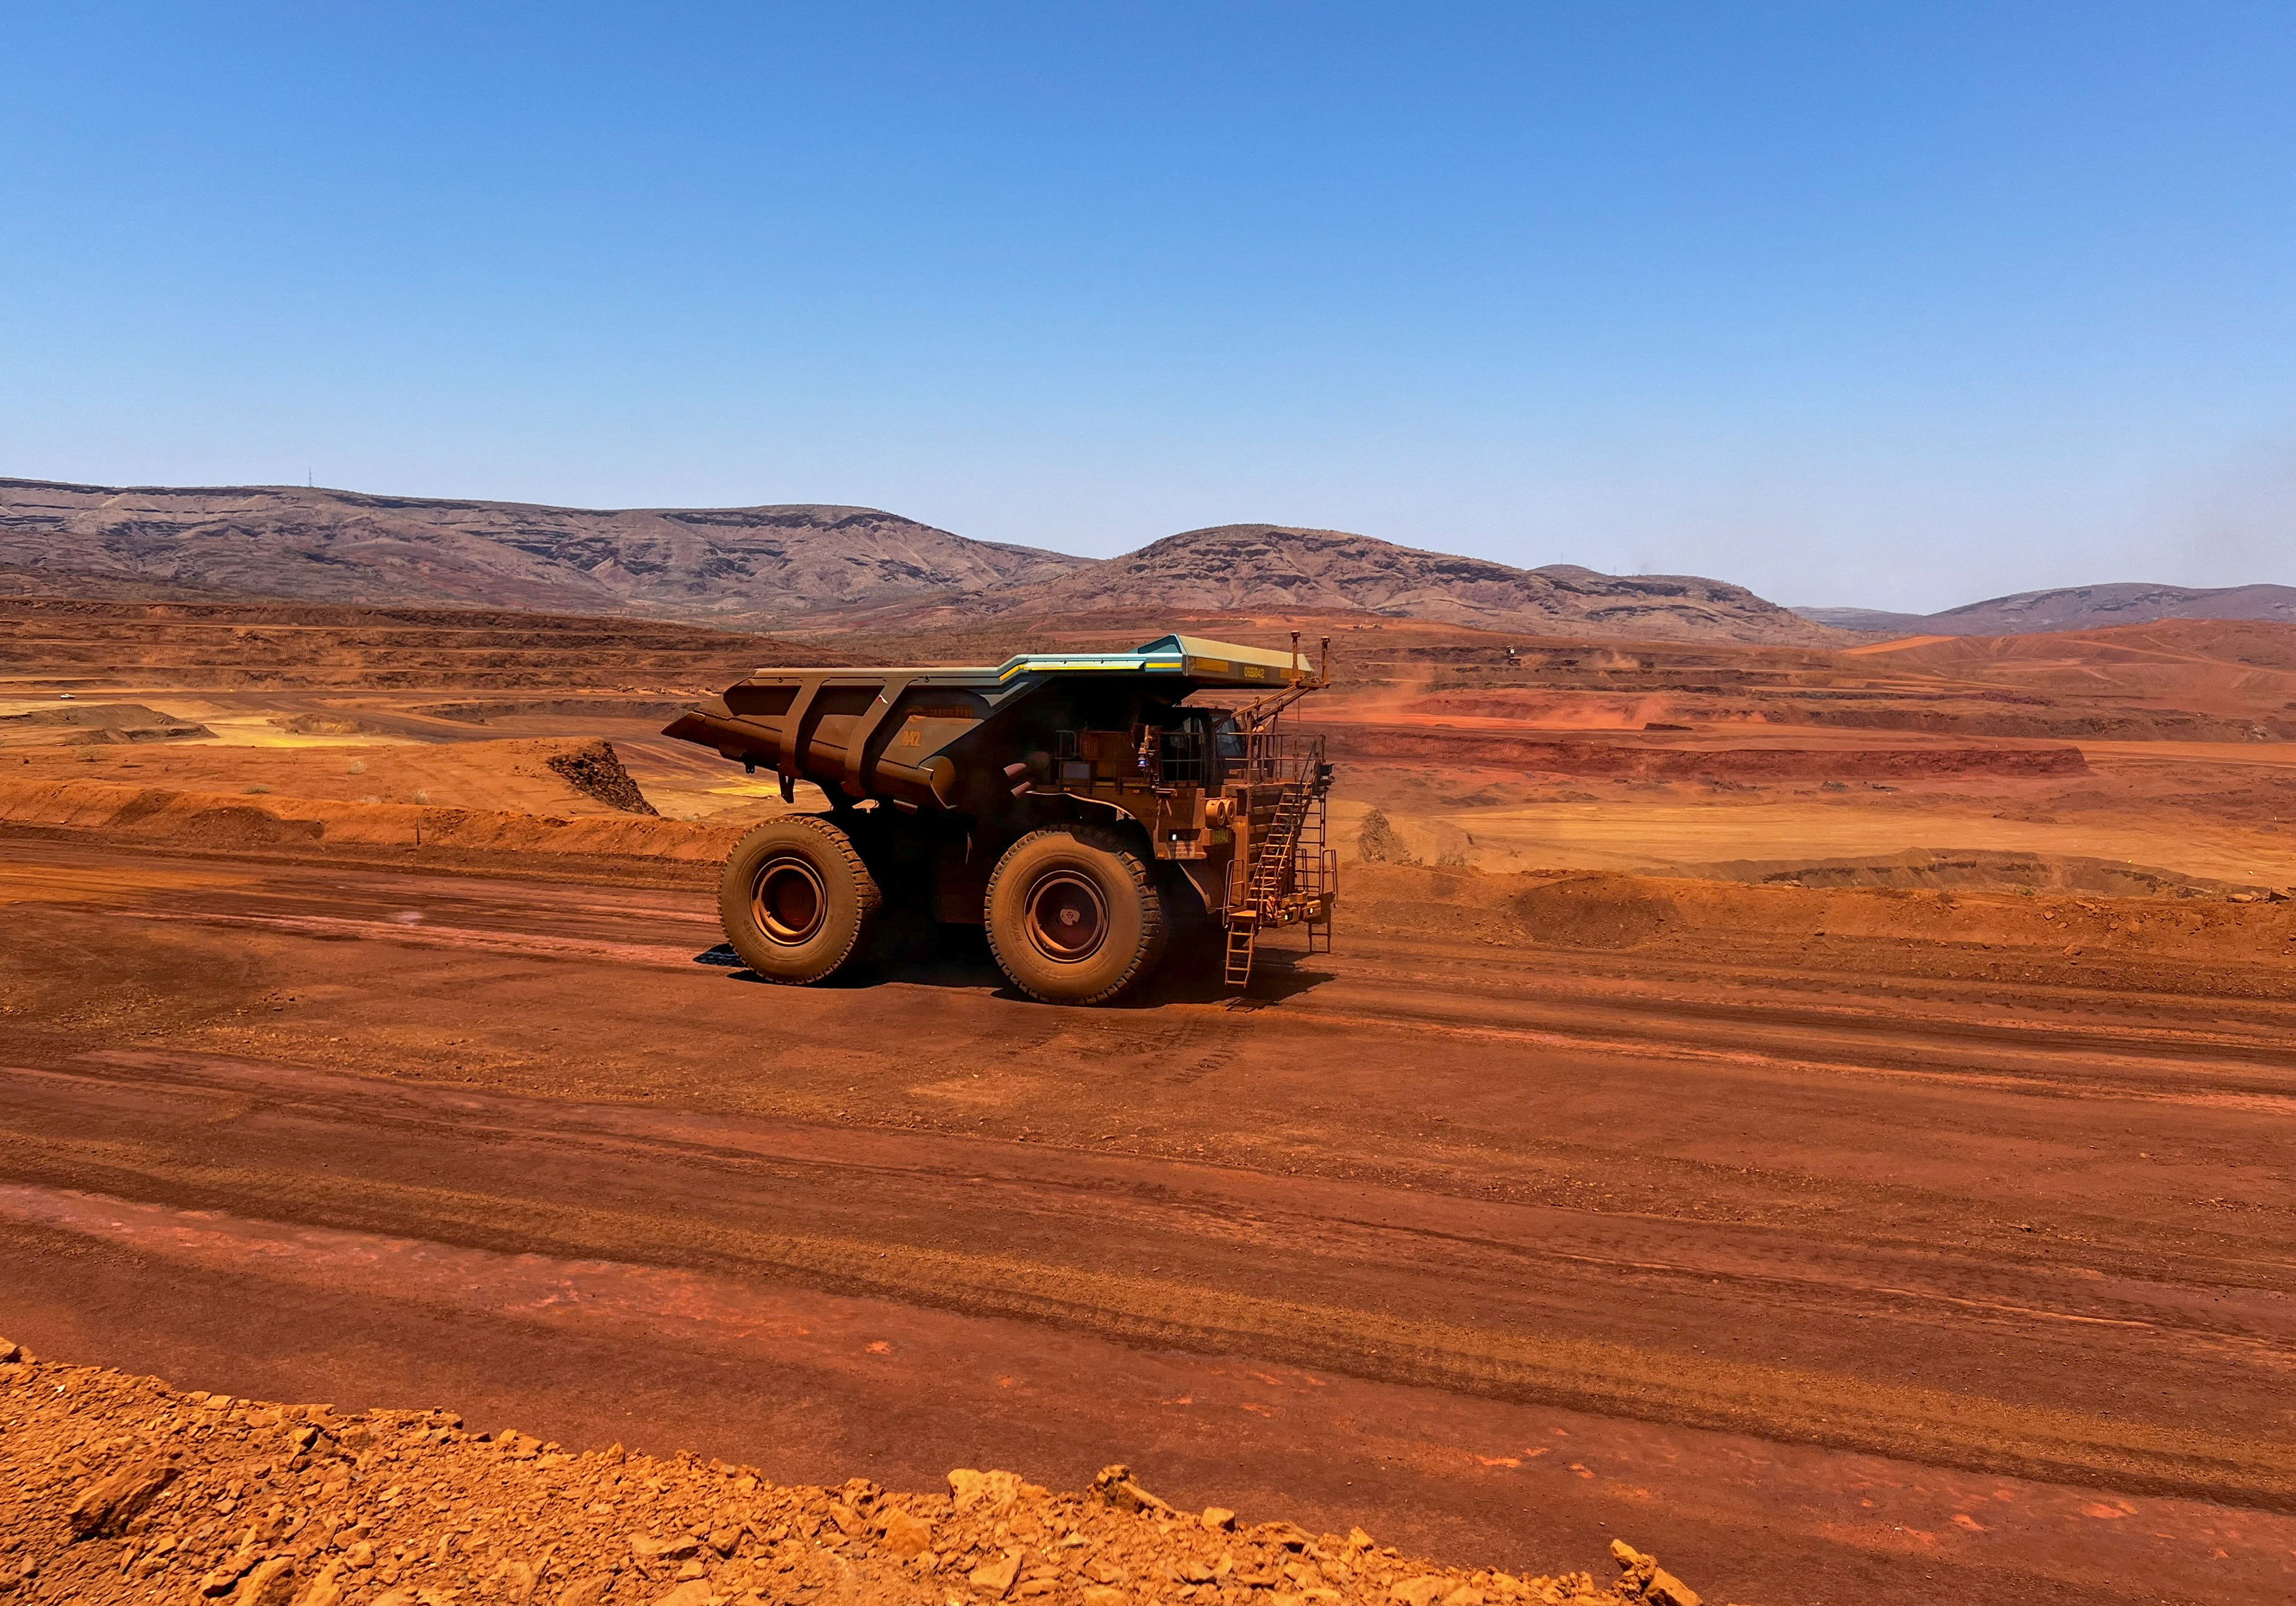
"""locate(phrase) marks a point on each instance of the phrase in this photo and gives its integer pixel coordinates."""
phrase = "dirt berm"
(233, 820)
(129, 1492)
(1451, 749)
(2205, 944)
(90, 725)
(2183, 944)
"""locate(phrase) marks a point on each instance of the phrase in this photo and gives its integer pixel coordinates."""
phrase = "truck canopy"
(1207, 663)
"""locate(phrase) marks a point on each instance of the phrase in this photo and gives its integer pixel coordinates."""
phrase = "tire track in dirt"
(1654, 1219)
(1794, 1404)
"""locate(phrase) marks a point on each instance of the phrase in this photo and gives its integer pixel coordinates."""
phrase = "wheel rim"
(789, 899)
(1068, 918)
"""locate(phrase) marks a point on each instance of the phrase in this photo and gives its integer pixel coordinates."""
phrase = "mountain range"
(778, 566)
(2072, 608)
(827, 568)
(703, 565)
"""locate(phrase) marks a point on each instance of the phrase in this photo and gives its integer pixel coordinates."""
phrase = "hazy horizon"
(1891, 311)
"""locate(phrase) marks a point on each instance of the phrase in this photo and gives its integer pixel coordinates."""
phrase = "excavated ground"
(2134, 759)
(131, 1492)
(1826, 1275)
(1821, 1115)
(2162, 753)
(66, 644)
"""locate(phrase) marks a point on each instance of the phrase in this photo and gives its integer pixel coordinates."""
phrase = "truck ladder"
(1242, 932)
(1263, 895)
(1316, 871)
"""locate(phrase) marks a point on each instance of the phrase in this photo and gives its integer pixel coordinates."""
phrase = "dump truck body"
(955, 765)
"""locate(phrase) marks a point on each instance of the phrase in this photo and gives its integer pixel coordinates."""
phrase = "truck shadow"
(958, 957)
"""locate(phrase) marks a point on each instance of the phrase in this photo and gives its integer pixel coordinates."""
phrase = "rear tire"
(1074, 915)
(797, 901)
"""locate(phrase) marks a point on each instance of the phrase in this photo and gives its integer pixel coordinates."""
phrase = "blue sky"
(1893, 306)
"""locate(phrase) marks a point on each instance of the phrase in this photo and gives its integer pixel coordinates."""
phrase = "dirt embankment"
(564, 707)
(329, 723)
(2244, 942)
(1653, 761)
(57, 644)
(2134, 725)
(130, 1492)
(1965, 712)
(227, 820)
(2205, 944)
(1978, 869)
(550, 775)
(83, 725)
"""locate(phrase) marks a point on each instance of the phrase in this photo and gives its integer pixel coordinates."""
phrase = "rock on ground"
(131, 1492)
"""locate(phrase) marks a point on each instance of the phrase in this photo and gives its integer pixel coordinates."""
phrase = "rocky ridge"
(130, 1492)
(2073, 608)
(740, 565)
(777, 565)
(1264, 567)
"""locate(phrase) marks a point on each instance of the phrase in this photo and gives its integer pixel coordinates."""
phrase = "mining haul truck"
(1087, 809)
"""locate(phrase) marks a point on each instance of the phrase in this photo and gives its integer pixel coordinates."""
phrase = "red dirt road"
(1825, 1288)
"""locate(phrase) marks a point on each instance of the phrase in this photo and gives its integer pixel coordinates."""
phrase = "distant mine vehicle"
(1082, 806)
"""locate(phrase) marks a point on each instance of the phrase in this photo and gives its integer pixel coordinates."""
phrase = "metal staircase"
(1271, 872)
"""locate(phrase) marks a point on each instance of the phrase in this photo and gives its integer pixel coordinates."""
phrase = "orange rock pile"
(131, 1492)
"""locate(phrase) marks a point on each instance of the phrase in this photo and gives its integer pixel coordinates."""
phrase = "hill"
(772, 567)
(744, 565)
(1879, 621)
(2073, 608)
(1234, 568)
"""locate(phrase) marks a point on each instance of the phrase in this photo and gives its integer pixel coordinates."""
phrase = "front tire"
(797, 901)
(1074, 915)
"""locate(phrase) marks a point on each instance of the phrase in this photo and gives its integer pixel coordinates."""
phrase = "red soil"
(131, 1492)
(1656, 759)
(1851, 1243)
(1477, 1242)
